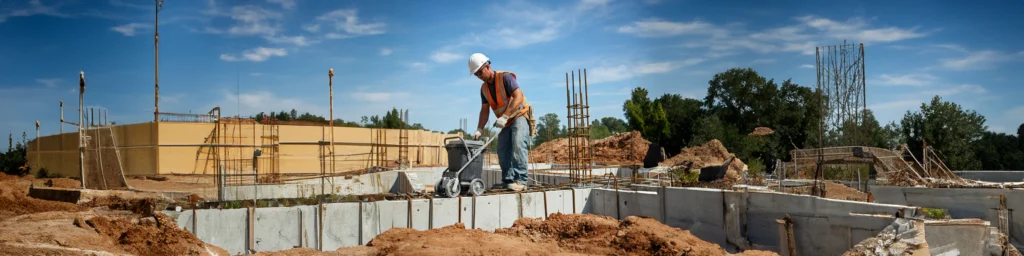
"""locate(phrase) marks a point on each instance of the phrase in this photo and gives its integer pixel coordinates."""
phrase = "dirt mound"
(619, 149)
(712, 153)
(157, 235)
(63, 183)
(14, 200)
(761, 131)
(561, 234)
(834, 191)
(141, 206)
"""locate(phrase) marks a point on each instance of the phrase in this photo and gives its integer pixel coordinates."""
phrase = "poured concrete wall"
(963, 203)
(355, 223)
(184, 148)
(992, 176)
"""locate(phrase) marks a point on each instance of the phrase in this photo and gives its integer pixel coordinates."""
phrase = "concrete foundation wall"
(992, 176)
(355, 223)
(964, 203)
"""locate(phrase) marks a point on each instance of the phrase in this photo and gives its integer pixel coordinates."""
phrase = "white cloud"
(258, 54)
(312, 28)
(519, 24)
(49, 82)
(286, 4)
(975, 60)
(296, 40)
(958, 90)
(807, 66)
(605, 74)
(254, 20)
(444, 57)
(660, 28)
(857, 29)
(385, 51)
(1015, 114)
(35, 8)
(129, 29)
(419, 65)
(379, 97)
(333, 35)
(255, 102)
(347, 21)
(591, 4)
(908, 79)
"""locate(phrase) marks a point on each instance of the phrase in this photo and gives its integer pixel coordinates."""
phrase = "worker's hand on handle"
(476, 135)
(500, 123)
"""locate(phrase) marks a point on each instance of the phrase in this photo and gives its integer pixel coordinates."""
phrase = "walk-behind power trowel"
(465, 167)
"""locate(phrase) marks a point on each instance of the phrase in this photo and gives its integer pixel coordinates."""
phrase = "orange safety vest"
(498, 107)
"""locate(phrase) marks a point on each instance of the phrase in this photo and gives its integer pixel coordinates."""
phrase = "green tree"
(683, 112)
(614, 125)
(294, 115)
(599, 130)
(548, 129)
(646, 116)
(999, 151)
(948, 128)
(1020, 136)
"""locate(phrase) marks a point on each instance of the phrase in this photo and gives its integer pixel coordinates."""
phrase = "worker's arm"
(514, 103)
(484, 111)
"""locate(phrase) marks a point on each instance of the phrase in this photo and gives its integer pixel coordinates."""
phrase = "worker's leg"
(520, 137)
(505, 156)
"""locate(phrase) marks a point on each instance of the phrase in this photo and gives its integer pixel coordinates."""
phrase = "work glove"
(476, 135)
(500, 123)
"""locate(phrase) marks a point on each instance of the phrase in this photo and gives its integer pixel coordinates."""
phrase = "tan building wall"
(190, 148)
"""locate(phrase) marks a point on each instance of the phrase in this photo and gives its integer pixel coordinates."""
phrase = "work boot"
(516, 186)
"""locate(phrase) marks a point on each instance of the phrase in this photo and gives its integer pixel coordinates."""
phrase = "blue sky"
(273, 55)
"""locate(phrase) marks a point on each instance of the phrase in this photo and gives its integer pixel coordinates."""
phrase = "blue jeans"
(512, 150)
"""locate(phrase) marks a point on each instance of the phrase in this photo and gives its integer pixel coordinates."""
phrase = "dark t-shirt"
(510, 86)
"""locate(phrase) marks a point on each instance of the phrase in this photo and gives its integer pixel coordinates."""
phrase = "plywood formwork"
(190, 148)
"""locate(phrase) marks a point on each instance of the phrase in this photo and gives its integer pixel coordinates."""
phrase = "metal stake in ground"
(81, 140)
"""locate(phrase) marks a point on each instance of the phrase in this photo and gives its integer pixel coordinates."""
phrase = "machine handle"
(464, 145)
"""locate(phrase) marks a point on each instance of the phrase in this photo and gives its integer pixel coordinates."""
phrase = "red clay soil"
(148, 236)
(834, 191)
(63, 183)
(14, 200)
(561, 234)
(626, 148)
(711, 153)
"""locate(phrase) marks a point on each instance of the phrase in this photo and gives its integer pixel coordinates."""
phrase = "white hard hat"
(476, 61)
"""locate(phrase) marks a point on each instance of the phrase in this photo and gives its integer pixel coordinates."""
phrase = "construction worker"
(501, 94)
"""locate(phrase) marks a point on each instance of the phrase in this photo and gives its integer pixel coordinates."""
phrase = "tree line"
(391, 120)
(740, 100)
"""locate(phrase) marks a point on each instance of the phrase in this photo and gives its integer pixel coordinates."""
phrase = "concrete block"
(371, 221)
(552, 201)
(393, 214)
(533, 205)
(647, 204)
(277, 229)
(184, 220)
(967, 239)
(446, 212)
(341, 225)
(583, 202)
(310, 225)
(420, 214)
(226, 229)
(466, 212)
(487, 215)
(509, 212)
(700, 211)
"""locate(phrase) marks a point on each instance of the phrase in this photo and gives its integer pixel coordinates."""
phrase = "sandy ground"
(834, 191)
(621, 149)
(559, 235)
(30, 226)
(711, 153)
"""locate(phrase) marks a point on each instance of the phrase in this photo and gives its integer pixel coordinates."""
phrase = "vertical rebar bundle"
(578, 126)
(842, 99)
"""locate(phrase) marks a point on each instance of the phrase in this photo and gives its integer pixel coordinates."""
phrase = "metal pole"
(330, 87)
(156, 61)
(568, 116)
(821, 125)
(39, 159)
(81, 113)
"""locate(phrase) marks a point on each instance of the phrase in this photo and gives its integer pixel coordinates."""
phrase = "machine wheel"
(476, 187)
(438, 188)
(451, 188)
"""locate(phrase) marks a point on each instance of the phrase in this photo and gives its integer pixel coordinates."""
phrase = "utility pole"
(156, 68)
(81, 140)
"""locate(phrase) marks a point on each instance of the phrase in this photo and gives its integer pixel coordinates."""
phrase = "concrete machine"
(465, 167)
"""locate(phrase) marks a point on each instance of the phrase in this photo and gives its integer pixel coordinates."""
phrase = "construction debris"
(902, 237)
(628, 148)
(711, 153)
(560, 234)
